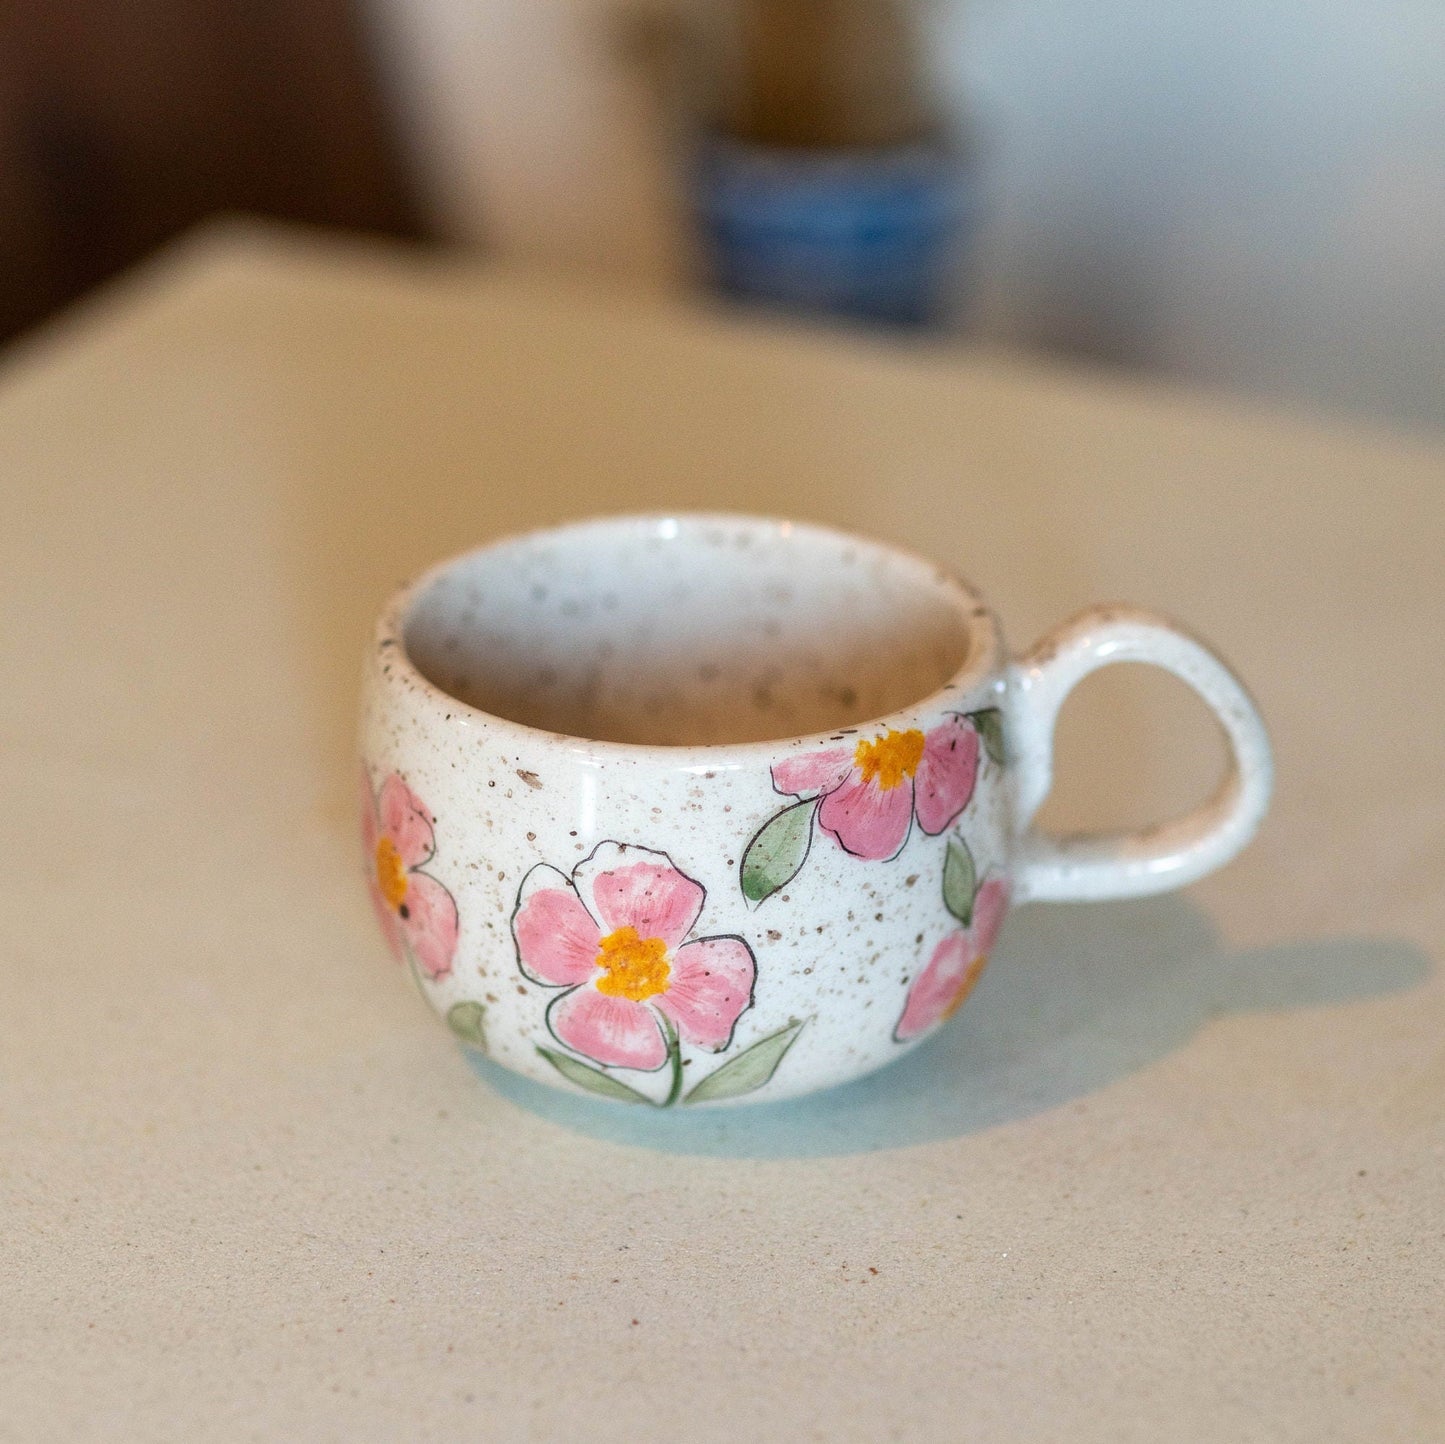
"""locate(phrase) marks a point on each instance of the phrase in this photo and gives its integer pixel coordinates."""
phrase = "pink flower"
(940, 989)
(417, 914)
(612, 936)
(871, 792)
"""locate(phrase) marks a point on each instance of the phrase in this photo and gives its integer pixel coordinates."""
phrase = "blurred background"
(1247, 196)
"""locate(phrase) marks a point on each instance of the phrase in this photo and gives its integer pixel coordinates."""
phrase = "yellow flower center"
(887, 760)
(974, 973)
(390, 873)
(634, 967)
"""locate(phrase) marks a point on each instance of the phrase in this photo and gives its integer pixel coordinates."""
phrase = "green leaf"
(465, 1020)
(751, 1068)
(778, 850)
(960, 880)
(989, 726)
(594, 1080)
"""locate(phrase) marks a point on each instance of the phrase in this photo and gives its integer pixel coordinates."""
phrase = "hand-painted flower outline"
(614, 936)
(869, 793)
(939, 991)
(418, 916)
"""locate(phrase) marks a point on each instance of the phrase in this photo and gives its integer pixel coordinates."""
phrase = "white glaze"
(1156, 859)
(682, 641)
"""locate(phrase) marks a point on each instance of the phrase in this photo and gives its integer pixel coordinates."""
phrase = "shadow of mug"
(1075, 998)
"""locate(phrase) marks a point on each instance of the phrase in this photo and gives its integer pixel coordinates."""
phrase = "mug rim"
(980, 660)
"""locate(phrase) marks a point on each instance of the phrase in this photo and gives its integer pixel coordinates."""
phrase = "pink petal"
(429, 924)
(989, 907)
(942, 986)
(635, 887)
(388, 921)
(867, 820)
(946, 774)
(406, 821)
(710, 987)
(610, 1030)
(557, 938)
(813, 771)
(368, 820)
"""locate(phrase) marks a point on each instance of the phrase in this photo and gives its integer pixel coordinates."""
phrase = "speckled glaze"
(688, 810)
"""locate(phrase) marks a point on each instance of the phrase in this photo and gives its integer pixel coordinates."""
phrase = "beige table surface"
(1177, 1172)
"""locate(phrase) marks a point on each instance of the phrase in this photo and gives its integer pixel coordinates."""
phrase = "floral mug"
(693, 809)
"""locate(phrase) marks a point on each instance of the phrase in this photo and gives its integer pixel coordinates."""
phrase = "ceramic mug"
(693, 809)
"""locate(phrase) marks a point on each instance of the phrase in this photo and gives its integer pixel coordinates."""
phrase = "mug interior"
(689, 631)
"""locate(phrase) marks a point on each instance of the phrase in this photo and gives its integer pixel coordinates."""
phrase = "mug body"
(688, 810)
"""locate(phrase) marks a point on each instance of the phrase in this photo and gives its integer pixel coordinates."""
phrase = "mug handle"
(1154, 859)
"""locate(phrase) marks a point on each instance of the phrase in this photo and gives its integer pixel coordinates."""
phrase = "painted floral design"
(865, 795)
(417, 914)
(957, 963)
(614, 936)
(871, 792)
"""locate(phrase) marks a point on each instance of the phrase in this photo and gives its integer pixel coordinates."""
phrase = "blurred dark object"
(123, 122)
(870, 234)
(829, 73)
(826, 181)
